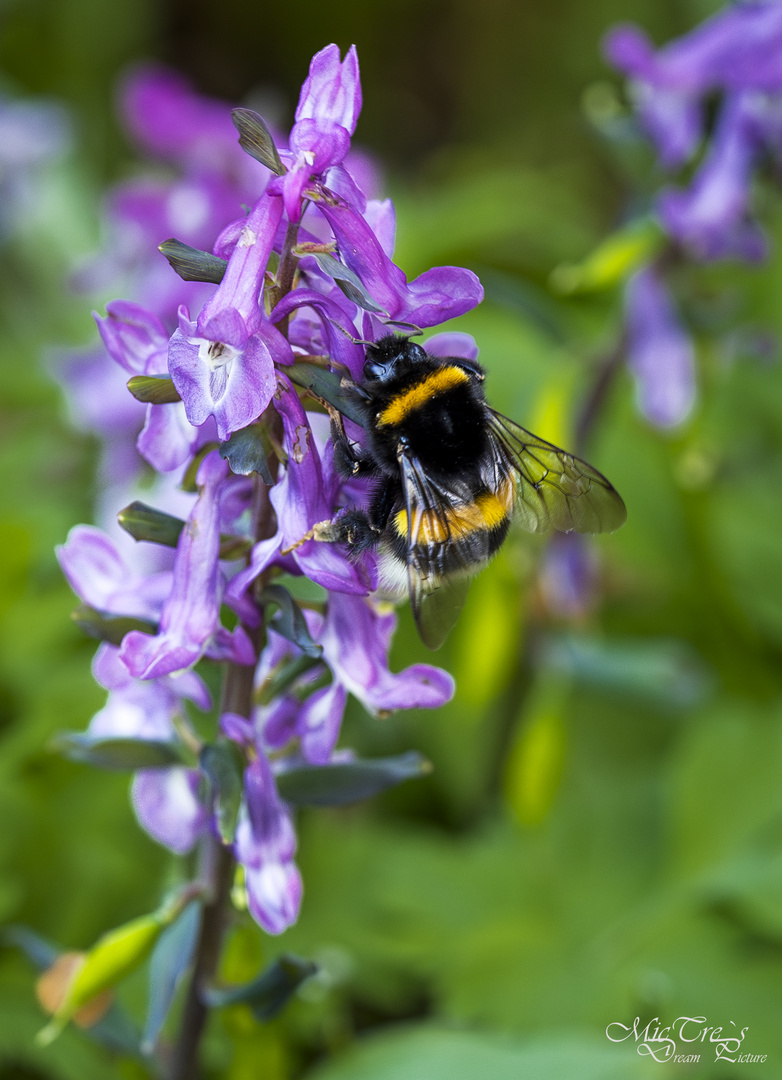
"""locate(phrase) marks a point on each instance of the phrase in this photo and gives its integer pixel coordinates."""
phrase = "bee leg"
(351, 527)
(383, 500)
(349, 459)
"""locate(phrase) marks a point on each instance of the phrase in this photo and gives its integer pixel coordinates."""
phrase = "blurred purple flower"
(660, 352)
(165, 800)
(568, 576)
(711, 217)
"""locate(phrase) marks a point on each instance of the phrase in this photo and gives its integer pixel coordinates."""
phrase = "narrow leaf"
(303, 589)
(247, 452)
(116, 753)
(350, 283)
(256, 139)
(347, 782)
(111, 628)
(283, 678)
(114, 956)
(613, 260)
(192, 264)
(169, 962)
(273, 988)
(146, 523)
(153, 390)
(327, 385)
(289, 620)
(223, 766)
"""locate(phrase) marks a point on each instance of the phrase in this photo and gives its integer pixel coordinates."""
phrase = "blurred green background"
(601, 837)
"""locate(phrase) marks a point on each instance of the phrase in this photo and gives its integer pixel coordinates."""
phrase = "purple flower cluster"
(228, 351)
(736, 58)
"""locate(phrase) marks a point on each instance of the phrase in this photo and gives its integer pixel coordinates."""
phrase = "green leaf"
(256, 140)
(146, 523)
(153, 390)
(612, 261)
(348, 281)
(284, 677)
(289, 620)
(192, 264)
(115, 752)
(662, 671)
(273, 988)
(170, 960)
(303, 589)
(223, 765)
(155, 526)
(347, 782)
(327, 385)
(113, 957)
(247, 452)
(111, 628)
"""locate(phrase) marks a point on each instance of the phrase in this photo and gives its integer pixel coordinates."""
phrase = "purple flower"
(326, 117)
(711, 217)
(265, 846)
(740, 48)
(167, 806)
(99, 576)
(356, 640)
(223, 364)
(660, 352)
(173, 123)
(300, 499)
(165, 800)
(189, 620)
(435, 296)
(568, 576)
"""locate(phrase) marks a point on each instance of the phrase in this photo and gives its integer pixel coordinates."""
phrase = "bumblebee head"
(391, 356)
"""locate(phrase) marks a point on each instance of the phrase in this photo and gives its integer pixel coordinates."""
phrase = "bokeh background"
(601, 837)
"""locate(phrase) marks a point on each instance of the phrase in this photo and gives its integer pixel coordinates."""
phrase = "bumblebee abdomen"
(461, 536)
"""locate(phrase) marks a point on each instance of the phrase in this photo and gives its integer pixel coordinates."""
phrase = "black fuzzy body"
(425, 415)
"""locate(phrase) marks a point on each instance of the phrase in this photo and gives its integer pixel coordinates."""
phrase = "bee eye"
(374, 369)
(415, 352)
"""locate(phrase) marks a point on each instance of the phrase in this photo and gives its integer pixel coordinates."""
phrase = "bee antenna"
(412, 329)
(356, 341)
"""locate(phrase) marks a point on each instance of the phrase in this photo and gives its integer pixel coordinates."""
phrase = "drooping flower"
(189, 620)
(265, 845)
(660, 351)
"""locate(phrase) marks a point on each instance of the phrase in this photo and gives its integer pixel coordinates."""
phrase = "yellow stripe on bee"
(457, 522)
(438, 381)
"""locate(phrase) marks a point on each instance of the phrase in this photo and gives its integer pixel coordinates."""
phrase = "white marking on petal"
(246, 238)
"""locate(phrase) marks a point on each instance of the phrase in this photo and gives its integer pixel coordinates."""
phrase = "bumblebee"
(450, 475)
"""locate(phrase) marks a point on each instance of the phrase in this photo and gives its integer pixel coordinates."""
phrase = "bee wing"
(438, 570)
(554, 488)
